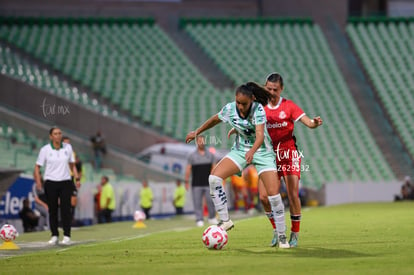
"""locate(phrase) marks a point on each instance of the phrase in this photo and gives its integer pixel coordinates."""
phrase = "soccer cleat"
(200, 223)
(274, 240)
(293, 241)
(53, 240)
(226, 225)
(283, 241)
(66, 240)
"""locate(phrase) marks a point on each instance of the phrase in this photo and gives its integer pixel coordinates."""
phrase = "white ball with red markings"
(139, 216)
(8, 233)
(214, 237)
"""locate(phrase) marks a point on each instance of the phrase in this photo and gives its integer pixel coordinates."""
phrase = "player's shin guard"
(218, 195)
(278, 210)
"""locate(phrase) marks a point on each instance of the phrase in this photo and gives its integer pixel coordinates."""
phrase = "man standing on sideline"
(179, 198)
(146, 198)
(106, 201)
(99, 149)
(76, 186)
(200, 164)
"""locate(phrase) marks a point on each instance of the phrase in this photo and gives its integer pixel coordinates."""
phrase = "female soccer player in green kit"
(252, 146)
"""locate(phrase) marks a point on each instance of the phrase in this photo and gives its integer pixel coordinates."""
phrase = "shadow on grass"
(309, 252)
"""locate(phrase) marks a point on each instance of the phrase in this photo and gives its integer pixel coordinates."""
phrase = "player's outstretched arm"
(209, 123)
(311, 123)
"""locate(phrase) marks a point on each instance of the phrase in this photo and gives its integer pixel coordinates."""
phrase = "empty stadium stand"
(384, 46)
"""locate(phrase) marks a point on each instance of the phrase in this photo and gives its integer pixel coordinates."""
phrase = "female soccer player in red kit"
(281, 115)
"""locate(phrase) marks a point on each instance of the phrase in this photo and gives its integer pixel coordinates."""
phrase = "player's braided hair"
(253, 89)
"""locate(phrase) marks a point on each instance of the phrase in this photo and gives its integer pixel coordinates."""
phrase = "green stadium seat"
(384, 54)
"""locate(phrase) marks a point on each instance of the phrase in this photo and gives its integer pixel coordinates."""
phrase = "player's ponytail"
(251, 89)
(260, 93)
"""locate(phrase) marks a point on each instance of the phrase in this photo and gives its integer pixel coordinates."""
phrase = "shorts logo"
(282, 115)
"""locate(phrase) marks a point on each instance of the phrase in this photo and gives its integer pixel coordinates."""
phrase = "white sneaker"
(66, 240)
(213, 221)
(200, 223)
(226, 225)
(54, 240)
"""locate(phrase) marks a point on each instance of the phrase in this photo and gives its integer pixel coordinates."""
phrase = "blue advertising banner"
(12, 201)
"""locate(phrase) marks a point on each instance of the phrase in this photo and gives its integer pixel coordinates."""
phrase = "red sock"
(271, 219)
(295, 219)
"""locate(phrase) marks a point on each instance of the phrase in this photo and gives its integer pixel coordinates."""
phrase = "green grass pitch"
(374, 238)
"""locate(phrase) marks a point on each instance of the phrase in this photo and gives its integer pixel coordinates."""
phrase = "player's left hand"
(318, 120)
(232, 131)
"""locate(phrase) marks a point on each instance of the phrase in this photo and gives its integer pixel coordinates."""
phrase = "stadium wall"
(167, 12)
(321, 11)
(126, 196)
(341, 193)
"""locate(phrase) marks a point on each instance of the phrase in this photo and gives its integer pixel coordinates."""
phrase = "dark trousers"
(58, 194)
(179, 210)
(147, 212)
(105, 215)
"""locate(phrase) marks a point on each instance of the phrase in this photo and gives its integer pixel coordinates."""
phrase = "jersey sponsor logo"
(276, 125)
(282, 115)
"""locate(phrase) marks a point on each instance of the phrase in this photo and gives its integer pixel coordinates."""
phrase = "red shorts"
(288, 162)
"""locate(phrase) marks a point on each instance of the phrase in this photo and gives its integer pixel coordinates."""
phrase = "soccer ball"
(139, 216)
(8, 233)
(214, 237)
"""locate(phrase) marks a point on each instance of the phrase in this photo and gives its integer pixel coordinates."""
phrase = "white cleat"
(213, 221)
(226, 225)
(283, 243)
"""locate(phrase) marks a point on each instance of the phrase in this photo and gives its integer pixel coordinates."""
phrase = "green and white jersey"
(246, 128)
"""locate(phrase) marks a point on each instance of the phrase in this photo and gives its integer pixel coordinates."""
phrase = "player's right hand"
(190, 136)
(38, 185)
